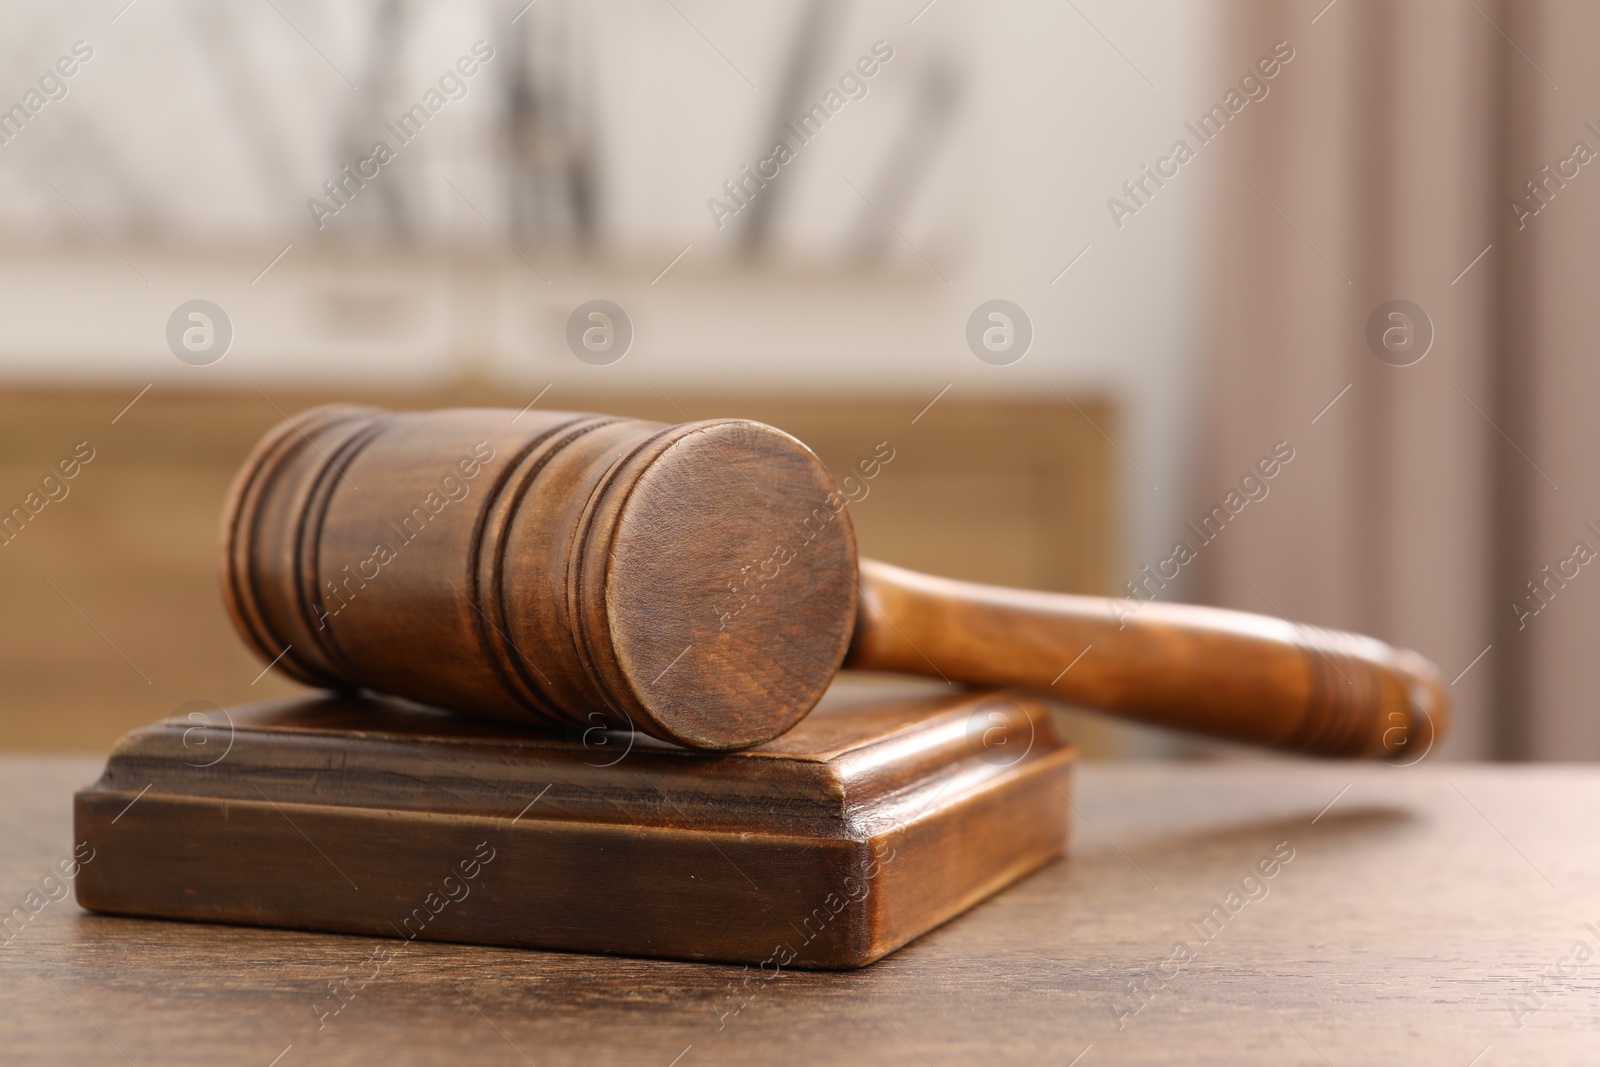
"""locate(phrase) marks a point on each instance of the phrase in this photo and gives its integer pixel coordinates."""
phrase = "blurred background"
(1355, 233)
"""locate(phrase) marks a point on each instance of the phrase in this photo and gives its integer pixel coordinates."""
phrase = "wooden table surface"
(1429, 915)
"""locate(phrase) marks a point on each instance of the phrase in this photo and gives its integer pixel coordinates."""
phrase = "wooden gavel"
(700, 582)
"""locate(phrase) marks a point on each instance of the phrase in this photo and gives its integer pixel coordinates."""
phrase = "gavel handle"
(1229, 674)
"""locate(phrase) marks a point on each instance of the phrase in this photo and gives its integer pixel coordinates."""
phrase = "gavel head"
(695, 581)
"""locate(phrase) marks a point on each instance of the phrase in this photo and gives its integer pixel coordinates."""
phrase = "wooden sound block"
(874, 820)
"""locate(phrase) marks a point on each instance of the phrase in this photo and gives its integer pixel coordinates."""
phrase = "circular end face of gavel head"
(716, 584)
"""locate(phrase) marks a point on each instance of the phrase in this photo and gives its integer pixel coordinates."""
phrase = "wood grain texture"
(873, 821)
(1228, 674)
(1415, 912)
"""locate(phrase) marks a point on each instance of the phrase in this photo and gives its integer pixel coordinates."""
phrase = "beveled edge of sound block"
(873, 821)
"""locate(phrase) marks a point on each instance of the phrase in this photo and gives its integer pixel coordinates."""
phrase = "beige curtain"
(1420, 503)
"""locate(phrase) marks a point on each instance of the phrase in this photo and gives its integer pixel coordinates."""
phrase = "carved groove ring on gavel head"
(696, 581)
